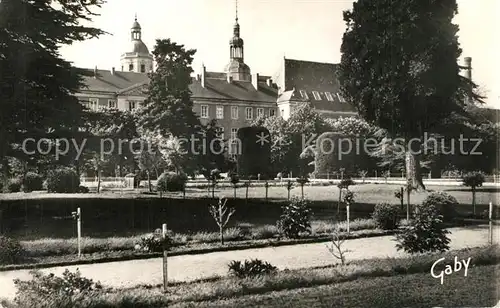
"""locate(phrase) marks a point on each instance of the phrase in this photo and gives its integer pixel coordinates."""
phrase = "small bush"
(386, 216)
(32, 181)
(53, 291)
(444, 203)
(62, 180)
(425, 232)
(295, 218)
(171, 181)
(13, 185)
(11, 251)
(154, 242)
(251, 268)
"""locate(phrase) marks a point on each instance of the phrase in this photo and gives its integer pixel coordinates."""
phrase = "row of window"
(131, 68)
(219, 112)
(317, 96)
(93, 104)
(220, 132)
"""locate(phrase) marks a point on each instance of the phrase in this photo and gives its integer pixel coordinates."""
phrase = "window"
(249, 113)
(143, 68)
(220, 132)
(316, 95)
(329, 96)
(132, 105)
(111, 103)
(130, 67)
(204, 111)
(93, 104)
(219, 112)
(341, 99)
(234, 112)
(304, 94)
(234, 133)
(272, 112)
(260, 112)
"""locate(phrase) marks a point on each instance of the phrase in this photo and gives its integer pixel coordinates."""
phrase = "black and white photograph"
(249, 153)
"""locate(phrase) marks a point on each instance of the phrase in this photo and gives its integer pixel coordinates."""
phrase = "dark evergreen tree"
(399, 69)
(37, 85)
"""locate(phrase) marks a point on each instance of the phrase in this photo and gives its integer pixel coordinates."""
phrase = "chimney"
(198, 77)
(255, 81)
(468, 72)
(229, 78)
(95, 71)
(112, 71)
(269, 82)
(203, 73)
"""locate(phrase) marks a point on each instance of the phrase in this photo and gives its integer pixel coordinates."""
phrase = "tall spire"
(236, 11)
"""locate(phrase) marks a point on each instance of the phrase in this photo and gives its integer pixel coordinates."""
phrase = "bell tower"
(137, 59)
(237, 69)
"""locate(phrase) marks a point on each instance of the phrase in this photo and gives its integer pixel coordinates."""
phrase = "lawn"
(40, 215)
(478, 289)
(365, 193)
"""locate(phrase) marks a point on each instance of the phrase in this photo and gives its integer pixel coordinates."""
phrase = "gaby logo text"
(448, 270)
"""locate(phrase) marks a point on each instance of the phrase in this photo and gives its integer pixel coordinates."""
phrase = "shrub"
(444, 203)
(251, 268)
(295, 218)
(154, 242)
(32, 181)
(62, 180)
(386, 216)
(425, 232)
(11, 251)
(255, 157)
(53, 291)
(13, 185)
(171, 181)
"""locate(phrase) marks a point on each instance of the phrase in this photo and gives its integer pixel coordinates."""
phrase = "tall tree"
(36, 84)
(399, 68)
(168, 107)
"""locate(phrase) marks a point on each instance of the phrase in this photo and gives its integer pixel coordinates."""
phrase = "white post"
(165, 259)
(347, 218)
(79, 230)
(491, 223)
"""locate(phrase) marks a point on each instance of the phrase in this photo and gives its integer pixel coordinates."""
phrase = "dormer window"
(303, 94)
(329, 96)
(341, 99)
(317, 96)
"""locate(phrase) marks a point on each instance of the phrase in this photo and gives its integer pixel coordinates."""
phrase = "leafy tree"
(37, 85)
(399, 69)
(211, 152)
(473, 180)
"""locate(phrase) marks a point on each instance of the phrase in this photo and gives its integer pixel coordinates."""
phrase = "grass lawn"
(365, 193)
(478, 289)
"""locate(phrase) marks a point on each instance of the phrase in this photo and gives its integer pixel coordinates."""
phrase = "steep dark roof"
(216, 86)
(314, 76)
(108, 82)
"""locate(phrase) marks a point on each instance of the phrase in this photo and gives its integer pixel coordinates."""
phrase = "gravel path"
(190, 267)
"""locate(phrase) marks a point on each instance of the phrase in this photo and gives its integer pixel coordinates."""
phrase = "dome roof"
(236, 41)
(136, 25)
(237, 67)
(139, 47)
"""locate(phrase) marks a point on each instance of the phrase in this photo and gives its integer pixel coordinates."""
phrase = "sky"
(297, 29)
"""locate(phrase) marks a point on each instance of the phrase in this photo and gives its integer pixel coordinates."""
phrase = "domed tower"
(137, 59)
(237, 69)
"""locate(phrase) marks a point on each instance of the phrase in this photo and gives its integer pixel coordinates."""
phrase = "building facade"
(234, 97)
